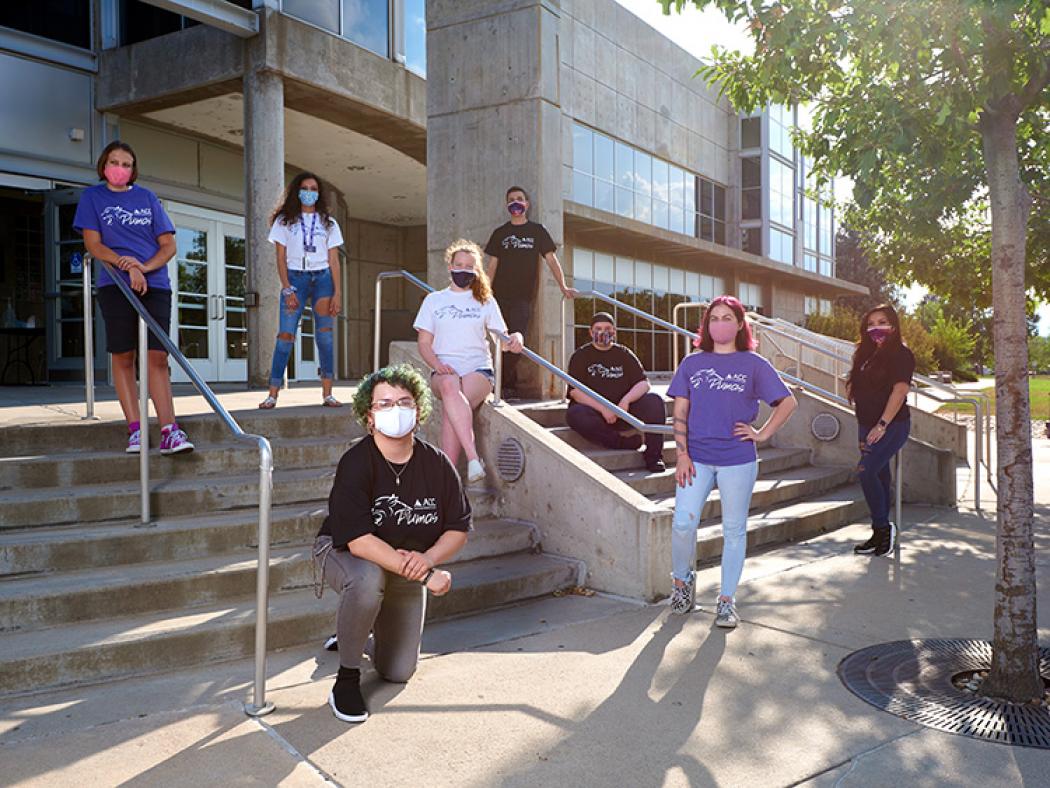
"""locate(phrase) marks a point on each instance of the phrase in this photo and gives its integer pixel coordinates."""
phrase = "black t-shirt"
(872, 384)
(612, 373)
(366, 498)
(518, 247)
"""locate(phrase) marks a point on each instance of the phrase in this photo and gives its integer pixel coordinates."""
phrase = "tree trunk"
(1015, 647)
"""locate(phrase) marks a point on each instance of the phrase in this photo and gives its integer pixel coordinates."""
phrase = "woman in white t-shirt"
(453, 327)
(307, 240)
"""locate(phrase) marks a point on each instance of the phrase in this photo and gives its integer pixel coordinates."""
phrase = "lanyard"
(308, 245)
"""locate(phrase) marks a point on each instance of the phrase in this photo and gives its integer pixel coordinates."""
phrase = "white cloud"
(694, 31)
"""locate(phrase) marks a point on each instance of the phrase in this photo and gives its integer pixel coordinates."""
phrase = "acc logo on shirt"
(390, 506)
(514, 242)
(122, 216)
(734, 381)
(601, 371)
(453, 312)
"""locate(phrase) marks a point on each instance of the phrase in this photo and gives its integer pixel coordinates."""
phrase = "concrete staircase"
(793, 499)
(87, 594)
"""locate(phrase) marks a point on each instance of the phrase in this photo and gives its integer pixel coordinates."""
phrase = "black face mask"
(463, 278)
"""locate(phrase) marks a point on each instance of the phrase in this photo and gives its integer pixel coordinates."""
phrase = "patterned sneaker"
(331, 643)
(886, 539)
(345, 699)
(173, 440)
(134, 442)
(726, 616)
(868, 547)
(683, 598)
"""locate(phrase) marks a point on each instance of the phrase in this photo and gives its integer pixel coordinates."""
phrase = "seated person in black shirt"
(615, 372)
(397, 511)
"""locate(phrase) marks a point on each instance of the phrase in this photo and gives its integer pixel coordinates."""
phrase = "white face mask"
(396, 422)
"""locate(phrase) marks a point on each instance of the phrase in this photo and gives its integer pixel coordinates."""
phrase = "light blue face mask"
(308, 196)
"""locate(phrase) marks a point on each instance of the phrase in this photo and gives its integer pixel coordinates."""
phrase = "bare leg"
(124, 382)
(458, 411)
(160, 387)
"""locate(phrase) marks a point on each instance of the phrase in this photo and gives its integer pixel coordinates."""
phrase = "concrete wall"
(185, 160)
(929, 471)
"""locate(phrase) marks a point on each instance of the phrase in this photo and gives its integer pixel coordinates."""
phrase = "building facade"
(418, 116)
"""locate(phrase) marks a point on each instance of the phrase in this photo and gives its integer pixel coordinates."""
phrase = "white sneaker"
(475, 471)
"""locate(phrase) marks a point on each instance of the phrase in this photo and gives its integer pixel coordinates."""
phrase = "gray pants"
(374, 600)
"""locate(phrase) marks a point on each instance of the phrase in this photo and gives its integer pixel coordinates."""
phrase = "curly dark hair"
(291, 209)
(403, 376)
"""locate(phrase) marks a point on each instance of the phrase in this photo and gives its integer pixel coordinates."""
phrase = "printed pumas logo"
(514, 242)
(390, 507)
(734, 381)
(601, 371)
(115, 214)
(453, 312)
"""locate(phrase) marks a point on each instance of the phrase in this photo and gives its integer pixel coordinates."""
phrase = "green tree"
(853, 264)
(938, 111)
(1039, 354)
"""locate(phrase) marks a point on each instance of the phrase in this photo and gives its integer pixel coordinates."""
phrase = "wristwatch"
(426, 577)
(882, 423)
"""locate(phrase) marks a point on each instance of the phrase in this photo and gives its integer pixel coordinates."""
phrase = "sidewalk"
(581, 691)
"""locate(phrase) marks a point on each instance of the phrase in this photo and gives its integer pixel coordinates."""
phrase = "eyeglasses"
(386, 404)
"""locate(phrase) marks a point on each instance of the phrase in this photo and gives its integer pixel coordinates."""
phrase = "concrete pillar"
(263, 183)
(493, 121)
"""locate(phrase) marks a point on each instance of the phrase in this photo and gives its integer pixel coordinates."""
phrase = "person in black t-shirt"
(396, 511)
(515, 249)
(615, 372)
(878, 386)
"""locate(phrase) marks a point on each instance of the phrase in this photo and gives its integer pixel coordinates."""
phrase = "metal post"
(497, 390)
(977, 458)
(89, 345)
(379, 306)
(564, 344)
(900, 489)
(262, 582)
(144, 418)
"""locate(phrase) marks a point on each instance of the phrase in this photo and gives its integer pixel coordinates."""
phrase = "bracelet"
(287, 291)
(426, 578)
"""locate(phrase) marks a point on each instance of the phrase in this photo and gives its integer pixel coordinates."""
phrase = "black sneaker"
(655, 465)
(633, 442)
(345, 698)
(887, 540)
(868, 547)
(331, 643)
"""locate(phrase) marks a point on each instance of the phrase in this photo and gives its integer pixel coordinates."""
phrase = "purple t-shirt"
(722, 389)
(129, 223)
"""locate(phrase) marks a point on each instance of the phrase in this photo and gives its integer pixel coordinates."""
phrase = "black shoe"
(331, 643)
(345, 698)
(868, 547)
(631, 442)
(887, 540)
(655, 465)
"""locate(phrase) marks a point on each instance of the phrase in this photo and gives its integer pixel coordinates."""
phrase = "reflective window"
(780, 122)
(750, 132)
(824, 229)
(809, 223)
(67, 21)
(416, 36)
(751, 188)
(323, 13)
(781, 246)
(752, 239)
(366, 23)
(809, 262)
(781, 193)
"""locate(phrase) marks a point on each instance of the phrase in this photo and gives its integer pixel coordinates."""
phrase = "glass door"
(230, 313)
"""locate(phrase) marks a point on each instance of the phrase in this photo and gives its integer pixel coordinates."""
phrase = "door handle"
(220, 307)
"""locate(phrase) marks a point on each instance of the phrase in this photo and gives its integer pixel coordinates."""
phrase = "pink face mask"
(722, 331)
(117, 176)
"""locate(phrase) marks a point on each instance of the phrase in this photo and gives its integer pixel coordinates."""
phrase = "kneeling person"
(612, 370)
(397, 511)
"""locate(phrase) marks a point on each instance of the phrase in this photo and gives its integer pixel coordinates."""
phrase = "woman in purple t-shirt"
(126, 226)
(716, 394)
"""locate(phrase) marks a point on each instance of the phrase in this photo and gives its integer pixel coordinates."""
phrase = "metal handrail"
(147, 322)
(632, 420)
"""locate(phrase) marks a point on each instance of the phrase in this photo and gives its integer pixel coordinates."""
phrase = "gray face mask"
(603, 338)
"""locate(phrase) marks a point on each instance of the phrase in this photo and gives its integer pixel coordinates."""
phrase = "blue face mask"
(308, 197)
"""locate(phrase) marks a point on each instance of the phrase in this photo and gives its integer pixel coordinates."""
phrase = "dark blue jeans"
(873, 470)
(590, 424)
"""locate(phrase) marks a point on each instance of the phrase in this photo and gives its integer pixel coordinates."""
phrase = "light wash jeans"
(735, 485)
(310, 286)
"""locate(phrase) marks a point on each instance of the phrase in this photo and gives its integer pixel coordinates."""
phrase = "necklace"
(397, 475)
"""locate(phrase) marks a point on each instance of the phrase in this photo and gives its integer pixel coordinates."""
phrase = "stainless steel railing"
(146, 323)
(526, 352)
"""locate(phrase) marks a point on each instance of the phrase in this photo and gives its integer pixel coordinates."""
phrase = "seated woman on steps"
(396, 512)
(453, 327)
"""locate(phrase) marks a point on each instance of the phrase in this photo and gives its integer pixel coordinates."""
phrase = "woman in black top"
(397, 510)
(878, 386)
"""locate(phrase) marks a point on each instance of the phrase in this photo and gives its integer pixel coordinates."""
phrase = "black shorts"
(122, 321)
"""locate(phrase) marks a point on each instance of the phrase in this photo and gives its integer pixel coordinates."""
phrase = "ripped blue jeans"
(310, 286)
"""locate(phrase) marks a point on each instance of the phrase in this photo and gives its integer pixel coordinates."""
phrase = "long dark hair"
(744, 340)
(868, 354)
(291, 209)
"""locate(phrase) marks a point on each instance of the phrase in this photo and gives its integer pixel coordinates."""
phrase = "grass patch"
(1038, 391)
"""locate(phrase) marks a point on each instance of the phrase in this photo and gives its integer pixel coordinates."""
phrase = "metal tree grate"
(913, 679)
(510, 460)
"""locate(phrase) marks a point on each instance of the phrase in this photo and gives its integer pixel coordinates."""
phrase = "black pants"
(590, 424)
(518, 315)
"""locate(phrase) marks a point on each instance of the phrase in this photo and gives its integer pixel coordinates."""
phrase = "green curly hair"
(403, 376)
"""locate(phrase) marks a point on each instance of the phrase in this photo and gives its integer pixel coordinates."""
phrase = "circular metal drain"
(913, 679)
(825, 427)
(510, 460)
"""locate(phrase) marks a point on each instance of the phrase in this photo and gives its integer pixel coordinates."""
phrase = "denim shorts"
(486, 371)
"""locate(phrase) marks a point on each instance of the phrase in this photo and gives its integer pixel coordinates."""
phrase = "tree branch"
(1036, 85)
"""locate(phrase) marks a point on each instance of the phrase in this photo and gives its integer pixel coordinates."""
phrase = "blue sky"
(697, 31)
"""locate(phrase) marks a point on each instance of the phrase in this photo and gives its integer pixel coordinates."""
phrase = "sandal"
(269, 403)
(331, 402)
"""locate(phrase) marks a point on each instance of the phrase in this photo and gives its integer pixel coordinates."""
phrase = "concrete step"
(110, 591)
(122, 647)
(770, 461)
(775, 489)
(552, 414)
(168, 497)
(791, 523)
(291, 422)
(209, 459)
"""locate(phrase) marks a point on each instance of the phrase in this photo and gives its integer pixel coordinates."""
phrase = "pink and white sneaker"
(173, 440)
(134, 442)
